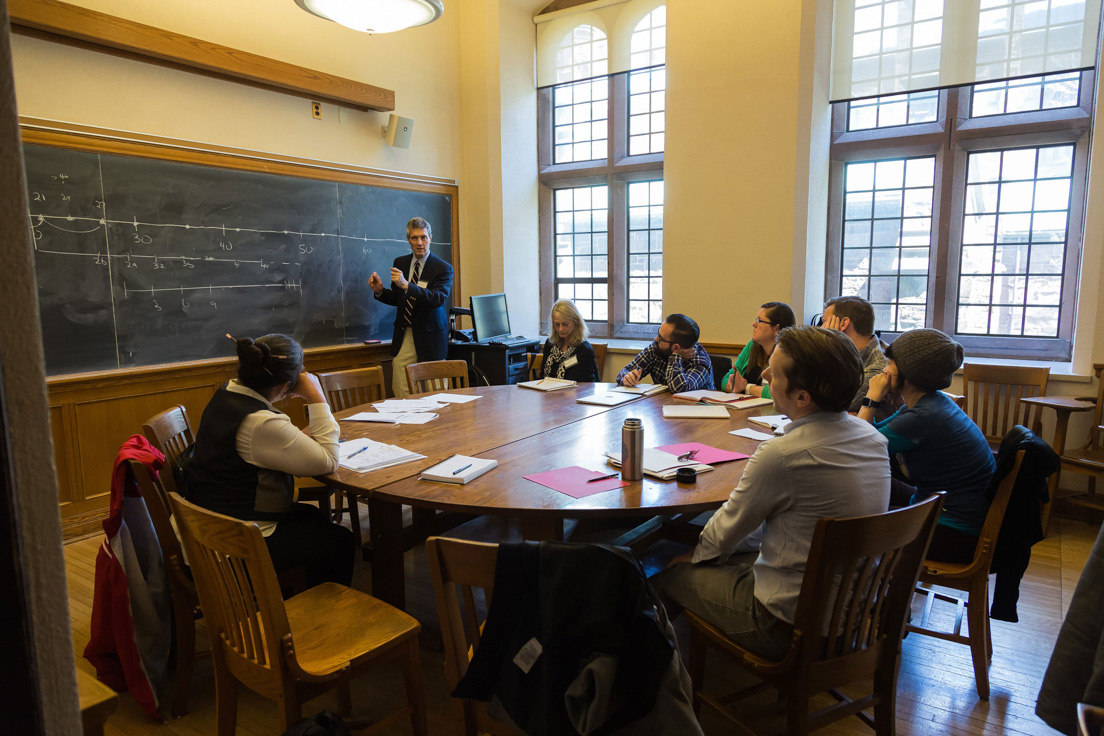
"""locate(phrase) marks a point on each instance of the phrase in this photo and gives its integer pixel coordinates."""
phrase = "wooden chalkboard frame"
(100, 141)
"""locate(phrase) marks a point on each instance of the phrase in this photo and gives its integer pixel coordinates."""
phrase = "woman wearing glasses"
(746, 375)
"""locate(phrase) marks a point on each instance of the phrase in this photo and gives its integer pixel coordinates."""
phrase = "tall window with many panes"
(601, 175)
(961, 209)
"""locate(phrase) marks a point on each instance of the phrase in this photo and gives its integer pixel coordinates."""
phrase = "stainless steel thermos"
(632, 450)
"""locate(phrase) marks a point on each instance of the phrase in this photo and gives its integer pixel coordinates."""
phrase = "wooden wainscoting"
(91, 414)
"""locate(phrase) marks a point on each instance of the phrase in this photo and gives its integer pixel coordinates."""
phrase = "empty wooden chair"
(457, 569)
(973, 578)
(1088, 456)
(169, 431)
(600, 357)
(536, 364)
(857, 587)
(344, 390)
(437, 375)
(289, 651)
(993, 398)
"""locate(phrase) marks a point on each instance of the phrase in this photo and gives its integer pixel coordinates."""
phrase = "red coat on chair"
(131, 610)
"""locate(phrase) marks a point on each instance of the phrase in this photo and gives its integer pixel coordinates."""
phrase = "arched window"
(648, 49)
(581, 108)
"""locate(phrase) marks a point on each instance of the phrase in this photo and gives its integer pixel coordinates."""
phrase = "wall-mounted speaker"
(398, 130)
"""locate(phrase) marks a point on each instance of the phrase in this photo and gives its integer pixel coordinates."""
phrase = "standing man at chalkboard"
(420, 287)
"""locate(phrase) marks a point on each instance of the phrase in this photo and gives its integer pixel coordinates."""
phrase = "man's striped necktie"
(409, 309)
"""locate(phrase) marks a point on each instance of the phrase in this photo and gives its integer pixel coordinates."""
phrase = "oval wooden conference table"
(527, 432)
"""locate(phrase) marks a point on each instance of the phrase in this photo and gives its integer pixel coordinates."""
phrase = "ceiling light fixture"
(375, 16)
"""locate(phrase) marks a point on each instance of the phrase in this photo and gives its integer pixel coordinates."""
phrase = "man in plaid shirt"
(675, 359)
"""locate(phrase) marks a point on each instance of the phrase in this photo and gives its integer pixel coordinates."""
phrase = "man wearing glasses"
(674, 359)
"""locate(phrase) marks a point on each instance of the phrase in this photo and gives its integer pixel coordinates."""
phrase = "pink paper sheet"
(573, 481)
(706, 455)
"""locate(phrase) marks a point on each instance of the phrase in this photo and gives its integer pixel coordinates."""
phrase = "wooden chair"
(1087, 458)
(876, 560)
(973, 578)
(169, 431)
(536, 363)
(344, 390)
(994, 396)
(1090, 719)
(289, 651)
(185, 601)
(600, 357)
(458, 567)
(437, 375)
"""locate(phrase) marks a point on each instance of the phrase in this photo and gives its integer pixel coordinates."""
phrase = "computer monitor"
(489, 317)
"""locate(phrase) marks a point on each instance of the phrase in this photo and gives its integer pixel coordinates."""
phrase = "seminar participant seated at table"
(854, 317)
(247, 453)
(674, 359)
(828, 464)
(939, 448)
(567, 354)
(746, 375)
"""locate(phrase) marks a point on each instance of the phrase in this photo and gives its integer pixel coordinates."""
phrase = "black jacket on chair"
(1023, 520)
(430, 325)
(575, 642)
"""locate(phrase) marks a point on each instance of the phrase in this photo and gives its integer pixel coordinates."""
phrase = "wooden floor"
(936, 691)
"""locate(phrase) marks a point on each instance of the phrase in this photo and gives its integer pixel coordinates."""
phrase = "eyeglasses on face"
(660, 339)
(764, 322)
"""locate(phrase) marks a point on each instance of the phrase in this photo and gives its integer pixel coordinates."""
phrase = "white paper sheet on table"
(400, 406)
(392, 417)
(452, 398)
(751, 434)
(364, 454)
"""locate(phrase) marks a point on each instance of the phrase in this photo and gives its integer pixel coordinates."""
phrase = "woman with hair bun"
(247, 454)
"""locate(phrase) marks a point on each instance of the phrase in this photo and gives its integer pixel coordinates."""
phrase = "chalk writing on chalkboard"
(142, 262)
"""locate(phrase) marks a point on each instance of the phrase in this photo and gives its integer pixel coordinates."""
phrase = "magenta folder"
(573, 481)
(706, 455)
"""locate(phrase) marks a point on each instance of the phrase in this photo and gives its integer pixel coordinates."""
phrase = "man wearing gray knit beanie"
(938, 447)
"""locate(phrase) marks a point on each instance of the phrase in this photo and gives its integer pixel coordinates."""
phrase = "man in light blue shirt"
(828, 464)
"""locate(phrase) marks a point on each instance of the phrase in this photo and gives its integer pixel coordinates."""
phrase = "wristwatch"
(867, 401)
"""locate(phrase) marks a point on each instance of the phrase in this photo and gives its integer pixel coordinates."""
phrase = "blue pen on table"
(354, 454)
(461, 470)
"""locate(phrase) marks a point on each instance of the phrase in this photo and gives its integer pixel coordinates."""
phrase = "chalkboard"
(142, 261)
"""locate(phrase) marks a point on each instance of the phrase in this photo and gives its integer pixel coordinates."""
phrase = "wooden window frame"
(950, 139)
(615, 171)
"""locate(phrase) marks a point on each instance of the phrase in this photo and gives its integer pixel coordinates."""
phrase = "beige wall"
(64, 83)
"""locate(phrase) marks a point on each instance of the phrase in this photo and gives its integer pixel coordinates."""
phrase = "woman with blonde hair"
(567, 354)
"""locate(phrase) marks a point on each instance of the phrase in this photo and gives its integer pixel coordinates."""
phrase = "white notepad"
(548, 384)
(777, 422)
(694, 411)
(459, 469)
(641, 389)
(609, 399)
(364, 454)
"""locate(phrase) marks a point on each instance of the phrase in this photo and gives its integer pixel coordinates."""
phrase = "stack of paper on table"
(364, 454)
(706, 396)
(458, 469)
(641, 389)
(660, 464)
(751, 403)
(694, 411)
(391, 417)
(751, 434)
(605, 399)
(452, 398)
(548, 384)
(777, 422)
(408, 406)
